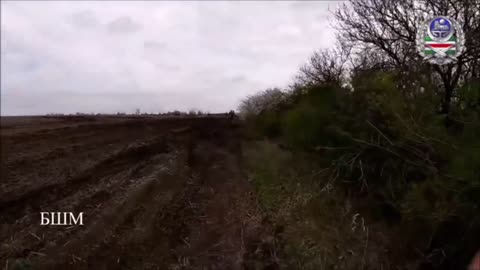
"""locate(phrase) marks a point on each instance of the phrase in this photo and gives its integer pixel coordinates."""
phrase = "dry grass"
(321, 229)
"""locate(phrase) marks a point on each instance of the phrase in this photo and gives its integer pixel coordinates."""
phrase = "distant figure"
(231, 115)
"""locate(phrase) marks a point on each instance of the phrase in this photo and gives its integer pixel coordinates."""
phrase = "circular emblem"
(440, 40)
(440, 29)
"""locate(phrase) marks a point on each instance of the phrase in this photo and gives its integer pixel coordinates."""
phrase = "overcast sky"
(69, 56)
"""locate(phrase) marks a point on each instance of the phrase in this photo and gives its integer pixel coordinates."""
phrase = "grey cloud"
(123, 24)
(154, 45)
(238, 79)
(84, 19)
(163, 55)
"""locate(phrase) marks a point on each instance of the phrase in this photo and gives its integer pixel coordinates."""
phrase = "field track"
(155, 193)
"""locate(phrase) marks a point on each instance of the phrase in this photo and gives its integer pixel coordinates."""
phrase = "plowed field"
(155, 194)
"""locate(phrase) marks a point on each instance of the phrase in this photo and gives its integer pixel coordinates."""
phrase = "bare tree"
(325, 66)
(265, 100)
(390, 27)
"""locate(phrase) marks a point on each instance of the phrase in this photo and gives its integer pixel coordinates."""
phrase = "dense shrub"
(419, 170)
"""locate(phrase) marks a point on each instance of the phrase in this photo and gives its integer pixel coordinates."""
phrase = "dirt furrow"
(27, 234)
(13, 206)
(177, 201)
(121, 225)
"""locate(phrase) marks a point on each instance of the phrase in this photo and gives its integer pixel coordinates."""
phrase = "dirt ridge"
(171, 195)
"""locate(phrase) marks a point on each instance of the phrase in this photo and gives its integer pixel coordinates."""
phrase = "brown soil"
(155, 193)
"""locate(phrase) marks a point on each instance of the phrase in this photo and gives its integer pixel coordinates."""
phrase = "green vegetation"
(389, 153)
(386, 139)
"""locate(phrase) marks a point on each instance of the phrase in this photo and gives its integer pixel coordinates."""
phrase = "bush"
(418, 169)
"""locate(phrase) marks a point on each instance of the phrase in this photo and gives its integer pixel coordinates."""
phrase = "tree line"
(392, 129)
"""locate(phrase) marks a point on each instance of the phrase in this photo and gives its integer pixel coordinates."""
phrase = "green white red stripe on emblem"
(448, 47)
